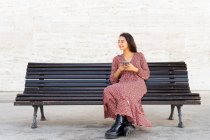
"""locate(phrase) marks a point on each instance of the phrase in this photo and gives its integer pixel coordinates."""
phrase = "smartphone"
(125, 62)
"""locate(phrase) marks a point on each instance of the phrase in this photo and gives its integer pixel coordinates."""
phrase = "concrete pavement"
(87, 122)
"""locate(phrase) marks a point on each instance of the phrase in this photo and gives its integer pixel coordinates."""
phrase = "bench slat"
(93, 72)
(151, 85)
(95, 69)
(87, 98)
(153, 88)
(106, 69)
(104, 80)
(187, 102)
(34, 64)
(93, 76)
(101, 94)
(101, 91)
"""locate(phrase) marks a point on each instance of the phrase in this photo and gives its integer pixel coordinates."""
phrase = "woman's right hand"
(122, 67)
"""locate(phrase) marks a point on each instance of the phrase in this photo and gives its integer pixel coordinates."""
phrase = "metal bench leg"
(171, 117)
(42, 113)
(34, 123)
(181, 125)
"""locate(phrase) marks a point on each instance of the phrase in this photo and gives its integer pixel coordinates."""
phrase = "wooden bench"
(83, 84)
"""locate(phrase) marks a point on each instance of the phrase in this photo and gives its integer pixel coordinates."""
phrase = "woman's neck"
(127, 53)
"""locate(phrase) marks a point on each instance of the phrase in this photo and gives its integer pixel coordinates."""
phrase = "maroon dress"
(124, 94)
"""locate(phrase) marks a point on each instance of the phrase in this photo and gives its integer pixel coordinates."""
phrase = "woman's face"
(122, 43)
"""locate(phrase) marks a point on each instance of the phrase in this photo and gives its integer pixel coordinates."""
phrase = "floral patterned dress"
(124, 94)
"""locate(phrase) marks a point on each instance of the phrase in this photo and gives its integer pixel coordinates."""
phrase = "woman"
(122, 99)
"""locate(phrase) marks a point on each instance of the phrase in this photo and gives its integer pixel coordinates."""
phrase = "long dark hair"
(130, 41)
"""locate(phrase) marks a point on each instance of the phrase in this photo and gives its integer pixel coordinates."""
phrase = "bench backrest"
(92, 78)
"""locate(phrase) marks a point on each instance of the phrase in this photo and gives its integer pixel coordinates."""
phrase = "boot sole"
(110, 136)
(128, 130)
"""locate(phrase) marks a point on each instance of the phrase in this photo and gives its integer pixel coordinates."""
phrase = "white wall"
(87, 31)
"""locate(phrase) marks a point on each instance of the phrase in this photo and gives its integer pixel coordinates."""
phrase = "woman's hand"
(122, 67)
(128, 67)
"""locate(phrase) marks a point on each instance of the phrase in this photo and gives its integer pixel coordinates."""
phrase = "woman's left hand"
(131, 67)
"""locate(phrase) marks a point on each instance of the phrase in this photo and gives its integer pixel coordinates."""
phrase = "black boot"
(117, 128)
(128, 127)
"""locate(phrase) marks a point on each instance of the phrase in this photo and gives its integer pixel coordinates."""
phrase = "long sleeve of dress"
(144, 71)
(114, 68)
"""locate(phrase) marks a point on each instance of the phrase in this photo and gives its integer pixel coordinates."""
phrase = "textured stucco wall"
(87, 31)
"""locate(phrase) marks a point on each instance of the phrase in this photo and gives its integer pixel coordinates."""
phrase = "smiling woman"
(122, 99)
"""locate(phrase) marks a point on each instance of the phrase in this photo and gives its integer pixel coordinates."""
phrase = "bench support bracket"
(42, 113)
(171, 117)
(34, 123)
(181, 125)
